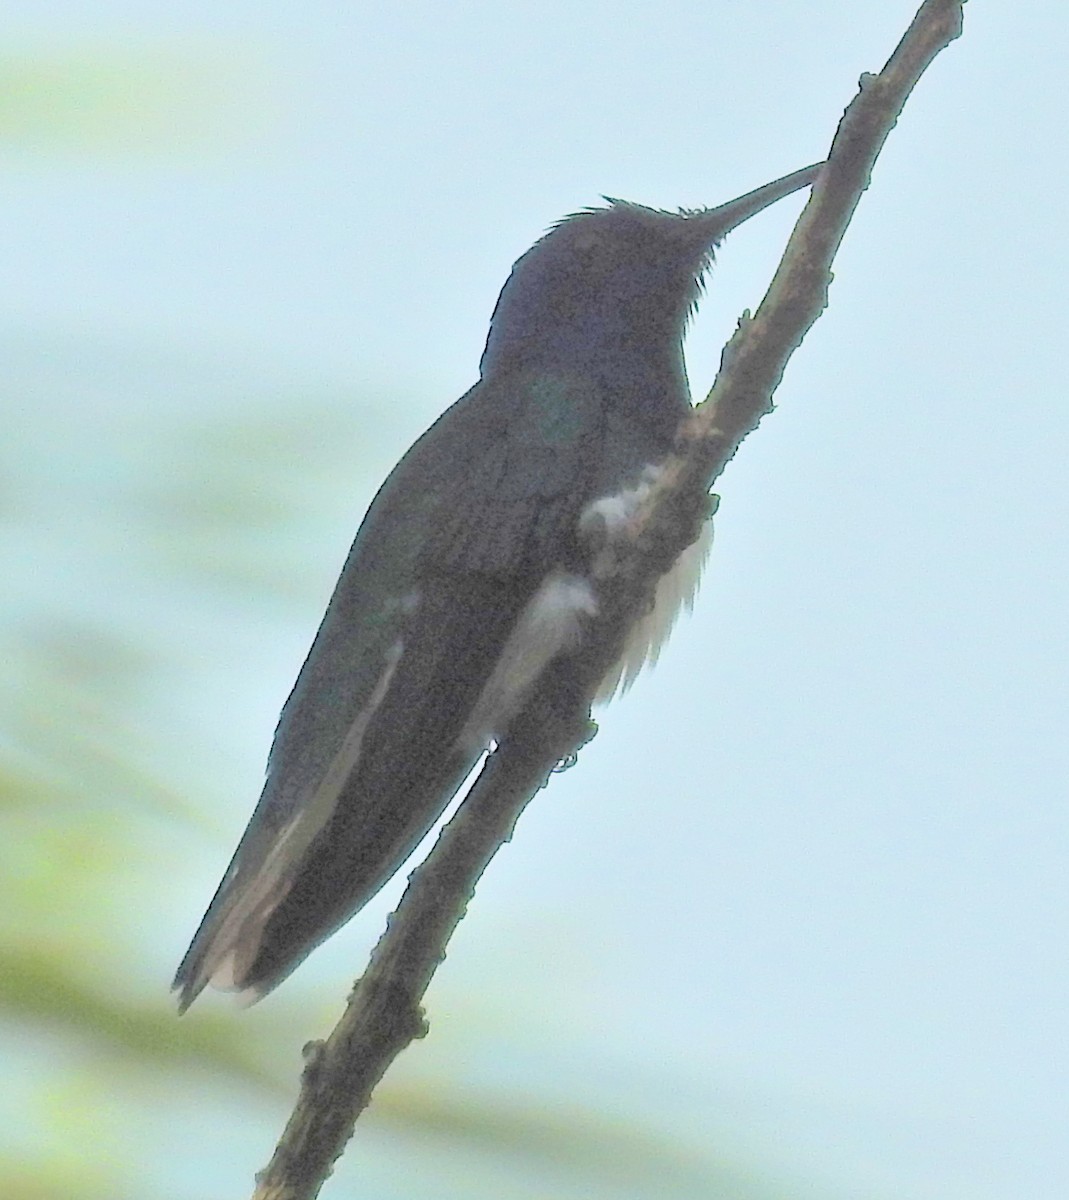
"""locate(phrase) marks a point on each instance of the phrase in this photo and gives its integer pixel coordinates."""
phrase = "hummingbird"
(471, 582)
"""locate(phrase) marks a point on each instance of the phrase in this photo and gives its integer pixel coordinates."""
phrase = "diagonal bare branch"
(384, 1012)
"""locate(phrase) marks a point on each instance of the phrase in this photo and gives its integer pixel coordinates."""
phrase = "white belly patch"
(552, 621)
(550, 624)
(607, 520)
(646, 639)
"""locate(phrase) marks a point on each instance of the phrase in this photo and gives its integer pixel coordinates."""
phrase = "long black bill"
(725, 217)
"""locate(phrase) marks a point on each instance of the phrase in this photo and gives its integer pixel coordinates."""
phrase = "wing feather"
(375, 738)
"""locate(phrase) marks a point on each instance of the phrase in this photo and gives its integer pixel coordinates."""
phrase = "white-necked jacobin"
(471, 574)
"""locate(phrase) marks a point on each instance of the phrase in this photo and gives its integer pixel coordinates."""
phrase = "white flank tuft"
(606, 521)
(550, 624)
(675, 592)
(608, 517)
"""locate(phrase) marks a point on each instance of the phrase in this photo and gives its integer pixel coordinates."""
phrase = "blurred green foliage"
(135, 100)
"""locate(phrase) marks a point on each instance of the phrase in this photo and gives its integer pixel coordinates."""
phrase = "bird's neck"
(619, 357)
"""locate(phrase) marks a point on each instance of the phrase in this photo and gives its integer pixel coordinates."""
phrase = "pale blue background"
(807, 892)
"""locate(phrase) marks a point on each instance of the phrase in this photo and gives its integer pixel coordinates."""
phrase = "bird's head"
(622, 279)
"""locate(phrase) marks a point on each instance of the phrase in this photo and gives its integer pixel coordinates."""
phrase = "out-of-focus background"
(796, 924)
